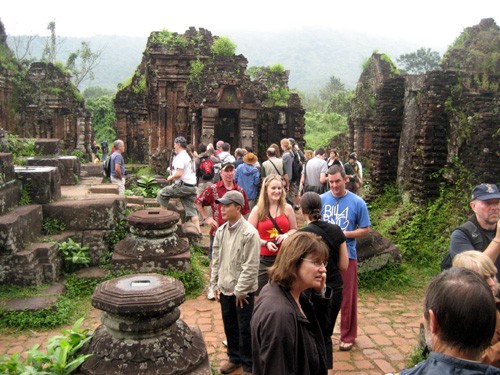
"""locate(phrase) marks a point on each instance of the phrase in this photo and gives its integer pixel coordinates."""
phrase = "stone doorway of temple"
(227, 127)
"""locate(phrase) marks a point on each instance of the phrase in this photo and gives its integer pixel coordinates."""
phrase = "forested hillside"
(311, 55)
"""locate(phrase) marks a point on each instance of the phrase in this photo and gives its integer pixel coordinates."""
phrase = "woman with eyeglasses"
(287, 323)
(338, 260)
(275, 221)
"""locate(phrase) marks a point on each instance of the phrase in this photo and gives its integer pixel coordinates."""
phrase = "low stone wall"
(69, 167)
(42, 183)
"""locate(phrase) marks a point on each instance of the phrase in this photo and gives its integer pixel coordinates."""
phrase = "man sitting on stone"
(183, 178)
(460, 317)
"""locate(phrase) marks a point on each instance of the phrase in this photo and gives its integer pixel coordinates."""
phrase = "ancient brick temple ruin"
(42, 103)
(182, 88)
(408, 127)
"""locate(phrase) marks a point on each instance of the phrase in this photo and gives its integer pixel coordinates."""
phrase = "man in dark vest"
(481, 232)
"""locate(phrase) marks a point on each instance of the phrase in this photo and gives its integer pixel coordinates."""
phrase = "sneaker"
(228, 367)
(224, 342)
(210, 294)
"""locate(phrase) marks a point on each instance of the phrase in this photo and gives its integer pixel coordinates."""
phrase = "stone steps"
(10, 193)
(45, 299)
(18, 227)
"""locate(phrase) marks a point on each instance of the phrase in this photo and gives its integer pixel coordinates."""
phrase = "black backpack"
(296, 167)
(472, 232)
(106, 167)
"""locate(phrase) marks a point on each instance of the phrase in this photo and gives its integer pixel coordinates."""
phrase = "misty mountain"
(312, 55)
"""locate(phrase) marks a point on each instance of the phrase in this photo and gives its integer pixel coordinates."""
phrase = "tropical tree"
(52, 44)
(333, 86)
(103, 117)
(420, 61)
(82, 63)
(340, 102)
(22, 47)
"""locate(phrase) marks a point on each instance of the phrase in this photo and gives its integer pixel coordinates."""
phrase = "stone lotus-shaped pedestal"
(152, 244)
(141, 332)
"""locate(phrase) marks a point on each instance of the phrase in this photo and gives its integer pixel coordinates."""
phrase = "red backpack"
(206, 169)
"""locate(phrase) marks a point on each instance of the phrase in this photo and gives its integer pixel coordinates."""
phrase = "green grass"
(421, 232)
(66, 310)
(75, 302)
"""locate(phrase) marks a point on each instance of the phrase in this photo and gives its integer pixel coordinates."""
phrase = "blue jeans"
(237, 329)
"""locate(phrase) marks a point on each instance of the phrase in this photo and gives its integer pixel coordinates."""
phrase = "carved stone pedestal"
(141, 331)
(152, 244)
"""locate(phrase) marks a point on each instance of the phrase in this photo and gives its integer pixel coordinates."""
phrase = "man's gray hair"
(118, 143)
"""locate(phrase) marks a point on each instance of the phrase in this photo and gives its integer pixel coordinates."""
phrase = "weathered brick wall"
(429, 147)
(424, 123)
(50, 109)
(386, 132)
(475, 126)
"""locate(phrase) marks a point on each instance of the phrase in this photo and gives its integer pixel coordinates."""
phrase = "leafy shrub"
(52, 226)
(280, 97)
(196, 68)
(425, 236)
(223, 46)
(80, 155)
(140, 86)
(61, 356)
(20, 148)
(146, 186)
(171, 40)
(74, 255)
(193, 280)
(277, 69)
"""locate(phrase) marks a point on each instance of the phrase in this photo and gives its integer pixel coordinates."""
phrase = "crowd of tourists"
(281, 288)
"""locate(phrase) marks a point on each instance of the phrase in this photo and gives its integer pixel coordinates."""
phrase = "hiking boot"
(228, 367)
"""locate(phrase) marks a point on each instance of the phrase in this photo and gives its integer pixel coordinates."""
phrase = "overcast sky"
(427, 22)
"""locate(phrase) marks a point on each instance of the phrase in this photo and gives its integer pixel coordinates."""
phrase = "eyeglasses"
(316, 262)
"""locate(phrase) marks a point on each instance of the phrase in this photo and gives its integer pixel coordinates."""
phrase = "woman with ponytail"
(332, 235)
